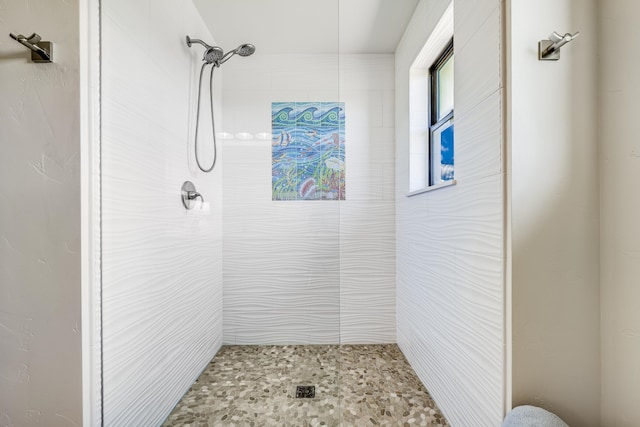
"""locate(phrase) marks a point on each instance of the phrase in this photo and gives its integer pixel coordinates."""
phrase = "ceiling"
(308, 26)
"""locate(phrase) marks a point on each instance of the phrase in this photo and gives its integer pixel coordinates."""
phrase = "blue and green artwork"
(308, 151)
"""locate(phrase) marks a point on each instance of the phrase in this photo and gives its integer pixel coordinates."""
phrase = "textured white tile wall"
(162, 265)
(367, 217)
(450, 251)
(40, 338)
(309, 272)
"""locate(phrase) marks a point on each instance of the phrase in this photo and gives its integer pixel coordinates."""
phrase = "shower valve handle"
(192, 195)
(188, 194)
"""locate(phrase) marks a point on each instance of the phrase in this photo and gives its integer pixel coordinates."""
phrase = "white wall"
(620, 209)
(450, 252)
(40, 360)
(554, 205)
(309, 271)
(367, 217)
(162, 265)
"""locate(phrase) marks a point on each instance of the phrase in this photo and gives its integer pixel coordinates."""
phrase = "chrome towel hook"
(41, 51)
(549, 50)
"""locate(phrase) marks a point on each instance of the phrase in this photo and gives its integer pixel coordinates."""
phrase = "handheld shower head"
(245, 49)
(242, 50)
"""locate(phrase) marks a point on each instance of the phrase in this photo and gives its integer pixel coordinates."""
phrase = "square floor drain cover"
(305, 391)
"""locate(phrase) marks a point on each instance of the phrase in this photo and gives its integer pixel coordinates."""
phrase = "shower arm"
(198, 41)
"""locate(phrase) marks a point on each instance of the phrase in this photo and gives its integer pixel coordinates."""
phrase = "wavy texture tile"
(450, 242)
(310, 271)
(162, 265)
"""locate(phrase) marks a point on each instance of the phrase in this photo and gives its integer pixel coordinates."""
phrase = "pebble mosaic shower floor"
(355, 385)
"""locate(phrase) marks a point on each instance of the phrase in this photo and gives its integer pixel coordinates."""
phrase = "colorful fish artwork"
(307, 151)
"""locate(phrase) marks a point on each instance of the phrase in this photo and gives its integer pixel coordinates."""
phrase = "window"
(441, 118)
(430, 142)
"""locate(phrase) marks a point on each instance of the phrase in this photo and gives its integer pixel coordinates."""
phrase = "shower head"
(245, 49)
(216, 56)
(213, 54)
(242, 50)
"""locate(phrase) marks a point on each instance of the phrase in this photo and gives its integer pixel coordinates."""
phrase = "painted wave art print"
(308, 151)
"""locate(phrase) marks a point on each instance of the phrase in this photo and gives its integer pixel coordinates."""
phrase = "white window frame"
(419, 101)
(435, 121)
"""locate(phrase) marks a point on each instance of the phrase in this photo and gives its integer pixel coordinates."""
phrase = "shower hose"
(213, 124)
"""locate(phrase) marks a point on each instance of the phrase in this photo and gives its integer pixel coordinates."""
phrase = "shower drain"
(305, 391)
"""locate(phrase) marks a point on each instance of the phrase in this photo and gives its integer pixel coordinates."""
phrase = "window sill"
(433, 188)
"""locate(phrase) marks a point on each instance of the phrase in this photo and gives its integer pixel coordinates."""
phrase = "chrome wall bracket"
(549, 50)
(41, 51)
